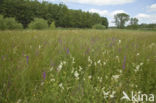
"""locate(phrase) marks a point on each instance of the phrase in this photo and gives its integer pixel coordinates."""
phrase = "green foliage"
(26, 10)
(9, 23)
(38, 24)
(52, 26)
(121, 19)
(2, 23)
(12, 24)
(99, 26)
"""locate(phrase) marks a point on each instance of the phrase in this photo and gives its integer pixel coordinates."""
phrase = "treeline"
(24, 11)
(142, 26)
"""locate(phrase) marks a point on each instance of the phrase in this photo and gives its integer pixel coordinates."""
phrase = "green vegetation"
(38, 24)
(9, 23)
(26, 10)
(75, 66)
(52, 26)
(99, 26)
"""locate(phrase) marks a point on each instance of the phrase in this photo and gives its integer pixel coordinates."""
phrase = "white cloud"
(146, 18)
(99, 2)
(152, 7)
(117, 11)
(100, 12)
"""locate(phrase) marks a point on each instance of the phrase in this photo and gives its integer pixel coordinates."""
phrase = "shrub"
(9, 23)
(52, 26)
(98, 26)
(2, 23)
(38, 24)
(12, 24)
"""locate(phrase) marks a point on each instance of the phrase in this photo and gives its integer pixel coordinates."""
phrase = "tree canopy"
(121, 19)
(25, 11)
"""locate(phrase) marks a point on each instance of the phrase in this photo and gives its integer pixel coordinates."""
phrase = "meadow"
(76, 66)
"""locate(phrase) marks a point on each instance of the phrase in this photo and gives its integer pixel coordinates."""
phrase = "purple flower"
(124, 63)
(44, 75)
(87, 51)
(27, 59)
(67, 50)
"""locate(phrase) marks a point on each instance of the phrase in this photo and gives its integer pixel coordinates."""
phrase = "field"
(76, 66)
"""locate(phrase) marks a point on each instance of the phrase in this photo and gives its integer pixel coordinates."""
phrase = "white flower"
(61, 86)
(52, 80)
(89, 60)
(76, 74)
(141, 64)
(90, 77)
(99, 61)
(39, 46)
(137, 67)
(115, 77)
(120, 71)
(80, 68)
(19, 101)
(60, 67)
(100, 79)
(104, 63)
(42, 83)
(105, 93)
(119, 41)
(138, 54)
(51, 69)
(64, 62)
(111, 96)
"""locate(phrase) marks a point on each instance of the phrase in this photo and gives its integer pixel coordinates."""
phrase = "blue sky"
(144, 10)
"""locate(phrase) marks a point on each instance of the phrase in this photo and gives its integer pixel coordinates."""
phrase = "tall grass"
(75, 66)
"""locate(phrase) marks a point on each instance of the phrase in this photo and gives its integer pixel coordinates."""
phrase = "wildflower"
(52, 80)
(119, 41)
(39, 46)
(51, 69)
(138, 54)
(104, 63)
(27, 59)
(67, 50)
(100, 79)
(89, 60)
(115, 77)
(80, 68)
(19, 101)
(76, 74)
(60, 67)
(124, 62)
(137, 68)
(61, 86)
(141, 64)
(99, 61)
(105, 94)
(112, 95)
(44, 75)
(73, 60)
(64, 62)
(42, 83)
(90, 77)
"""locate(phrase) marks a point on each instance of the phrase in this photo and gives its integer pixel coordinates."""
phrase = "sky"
(144, 10)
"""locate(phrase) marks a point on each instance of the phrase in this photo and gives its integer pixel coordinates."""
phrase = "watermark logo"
(138, 97)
